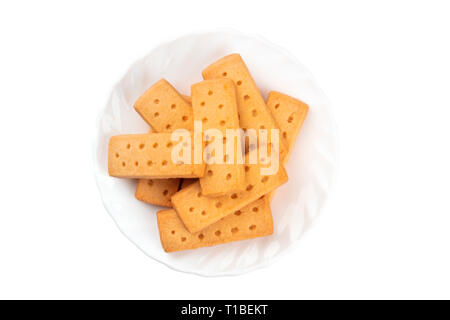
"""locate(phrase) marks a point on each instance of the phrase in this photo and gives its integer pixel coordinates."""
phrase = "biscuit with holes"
(164, 109)
(253, 112)
(149, 156)
(252, 221)
(214, 104)
(289, 113)
(157, 191)
(198, 211)
(153, 191)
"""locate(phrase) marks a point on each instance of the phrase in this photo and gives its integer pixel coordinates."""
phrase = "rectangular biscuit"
(149, 156)
(252, 221)
(289, 113)
(164, 109)
(157, 191)
(214, 104)
(198, 211)
(253, 112)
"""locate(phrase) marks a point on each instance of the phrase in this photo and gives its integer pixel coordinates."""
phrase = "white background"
(385, 65)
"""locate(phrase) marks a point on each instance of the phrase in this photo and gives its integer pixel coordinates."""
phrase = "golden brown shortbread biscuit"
(252, 221)
(214, 104)
(158, 191)
(253, 112)
(198, 211)
(149, 156)
(289, 113)
(164, 109)
(153, 191)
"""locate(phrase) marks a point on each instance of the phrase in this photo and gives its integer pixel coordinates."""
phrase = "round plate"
(311, 167)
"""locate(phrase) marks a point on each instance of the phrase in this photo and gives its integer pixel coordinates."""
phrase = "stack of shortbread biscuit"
(212, 202)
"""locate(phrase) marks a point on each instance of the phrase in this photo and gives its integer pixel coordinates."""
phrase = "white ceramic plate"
(311, 167)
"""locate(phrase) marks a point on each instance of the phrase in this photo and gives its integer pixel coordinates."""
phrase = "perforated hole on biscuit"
(238, 213)
(284, 134)
(185, 118)
(247, 168)
(117, 155)
(156, 101)
(255, 209)
(220, 106)
(150, 182)
(229, 176)
(149, 163)
(203, 213)
(222, 123)
(252, 227)
(191, 209)
(123, 164)
(199, 194)
(168, 126)
(277, 106)
(239, 82)
(210, 93)
(210, 173)
(164, 163)
(249, 187)
(205, 120)
(136, 163)
(291, 118)
(155, 145)
(264, 179)
(224, 74)
(128, 146)
(183, 239)
(169, 145)
(234, 196)
(156, 114)
(165, 192)
(142, 146)
(234, 230)
(218, 233)
(246, 97)
(201, 236)
(254, 113)
(173, 106)
(218, 204)
(172, 232)
(202, 103)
